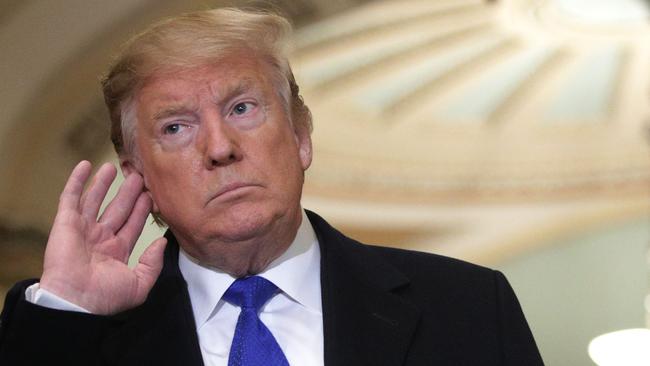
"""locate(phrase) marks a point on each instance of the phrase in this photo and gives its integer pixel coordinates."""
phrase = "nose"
(219, 143)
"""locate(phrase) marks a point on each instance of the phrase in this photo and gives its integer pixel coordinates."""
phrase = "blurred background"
(510, 133)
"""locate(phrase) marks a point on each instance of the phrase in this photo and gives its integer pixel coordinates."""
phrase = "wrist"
(42, 297)
(63, 290)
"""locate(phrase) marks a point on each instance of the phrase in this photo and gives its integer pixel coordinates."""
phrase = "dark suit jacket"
(381, 306)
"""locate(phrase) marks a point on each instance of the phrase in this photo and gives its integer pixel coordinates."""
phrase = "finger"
(92, 199)
(148, 268)
(119, 210)
(130, 232)
(69, 199)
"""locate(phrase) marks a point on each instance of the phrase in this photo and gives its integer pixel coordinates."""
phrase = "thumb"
(149, 267)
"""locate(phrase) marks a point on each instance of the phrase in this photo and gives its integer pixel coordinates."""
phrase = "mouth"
(231, 189)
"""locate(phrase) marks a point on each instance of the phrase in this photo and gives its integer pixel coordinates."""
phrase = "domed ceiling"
(462, 114)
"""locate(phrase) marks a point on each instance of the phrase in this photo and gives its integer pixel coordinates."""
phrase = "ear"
(128, 166)
(303, 140)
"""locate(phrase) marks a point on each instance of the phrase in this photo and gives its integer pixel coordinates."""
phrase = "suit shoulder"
(432, 263)
(412, 263)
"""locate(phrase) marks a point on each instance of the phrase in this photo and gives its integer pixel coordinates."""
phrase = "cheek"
(287, 165)
(168, 175)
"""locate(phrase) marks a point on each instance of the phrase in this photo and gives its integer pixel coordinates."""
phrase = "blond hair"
(192, 40)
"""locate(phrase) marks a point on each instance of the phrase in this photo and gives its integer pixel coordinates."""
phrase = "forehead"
(219, 80)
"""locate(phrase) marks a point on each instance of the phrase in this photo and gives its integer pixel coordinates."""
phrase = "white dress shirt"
(294, 316)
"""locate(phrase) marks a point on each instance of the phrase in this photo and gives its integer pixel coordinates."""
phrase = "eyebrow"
(228, 92)
(170, 111)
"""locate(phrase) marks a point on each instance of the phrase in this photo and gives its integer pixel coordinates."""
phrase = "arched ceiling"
(465, 100)
(478, 127)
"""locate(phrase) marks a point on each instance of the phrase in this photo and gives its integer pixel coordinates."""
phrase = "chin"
(243, 225)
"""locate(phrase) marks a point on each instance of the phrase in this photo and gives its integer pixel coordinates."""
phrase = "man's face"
(218, 152)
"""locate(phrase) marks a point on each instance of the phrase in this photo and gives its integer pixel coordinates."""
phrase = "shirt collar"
(296, 272)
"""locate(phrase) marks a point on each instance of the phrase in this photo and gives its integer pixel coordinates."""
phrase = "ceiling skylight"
(607, 11)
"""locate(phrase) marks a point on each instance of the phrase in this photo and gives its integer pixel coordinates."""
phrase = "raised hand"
(86, 257)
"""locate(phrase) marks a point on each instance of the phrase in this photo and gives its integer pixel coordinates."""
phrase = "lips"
(230, 188)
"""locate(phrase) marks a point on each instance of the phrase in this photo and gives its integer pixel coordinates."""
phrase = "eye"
(173, 128)
(242, 108)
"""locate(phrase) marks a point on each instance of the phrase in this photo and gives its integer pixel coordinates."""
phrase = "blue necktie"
(253, 343)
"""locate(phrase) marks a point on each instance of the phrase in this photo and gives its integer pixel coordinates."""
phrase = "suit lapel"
(365, 320)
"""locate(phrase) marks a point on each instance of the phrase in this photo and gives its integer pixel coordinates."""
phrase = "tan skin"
(219, 160)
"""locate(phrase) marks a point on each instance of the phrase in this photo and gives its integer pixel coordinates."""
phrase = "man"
(213, 138)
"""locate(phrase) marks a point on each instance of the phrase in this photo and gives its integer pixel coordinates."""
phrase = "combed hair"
(192, 40)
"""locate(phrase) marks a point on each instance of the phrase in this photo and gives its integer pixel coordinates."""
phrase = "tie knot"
(250, 292)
